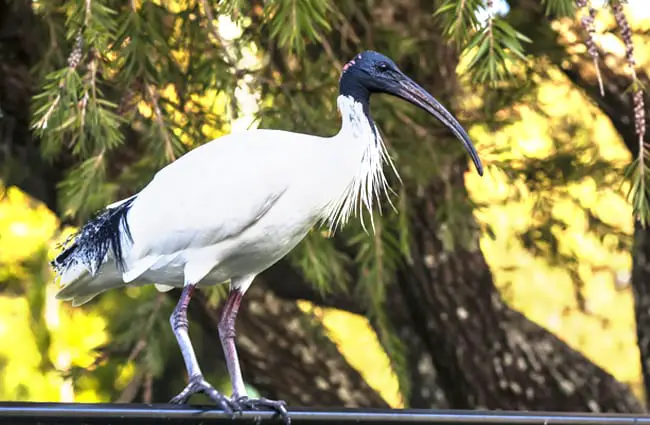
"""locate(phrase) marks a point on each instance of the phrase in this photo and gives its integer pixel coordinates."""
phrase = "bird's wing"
(211, 194)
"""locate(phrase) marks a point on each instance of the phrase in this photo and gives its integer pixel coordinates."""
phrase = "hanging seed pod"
(637, 97)
(588, 25)
(77, 52)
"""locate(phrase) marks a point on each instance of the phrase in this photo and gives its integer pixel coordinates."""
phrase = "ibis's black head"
(371, 72)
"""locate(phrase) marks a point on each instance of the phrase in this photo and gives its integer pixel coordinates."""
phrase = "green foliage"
(82, 190)
(72, 106)
(131, 64)
(460, 18)
(559, 8)
(321, 263)
(492, 47)
(493, 50)
(293, 22)
(638, 172)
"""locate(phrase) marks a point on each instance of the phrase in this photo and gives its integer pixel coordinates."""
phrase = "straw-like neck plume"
(368, 181)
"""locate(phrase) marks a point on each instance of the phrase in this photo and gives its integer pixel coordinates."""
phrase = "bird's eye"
(382, 67)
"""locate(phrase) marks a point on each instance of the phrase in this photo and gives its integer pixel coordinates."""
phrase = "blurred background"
(528, 288)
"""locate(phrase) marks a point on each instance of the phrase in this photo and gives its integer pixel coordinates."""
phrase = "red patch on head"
(346, 66)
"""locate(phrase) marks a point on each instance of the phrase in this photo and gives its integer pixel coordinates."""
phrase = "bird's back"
(207, 207)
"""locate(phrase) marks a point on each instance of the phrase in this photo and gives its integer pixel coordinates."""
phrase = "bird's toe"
(279, 406)
(197, 385)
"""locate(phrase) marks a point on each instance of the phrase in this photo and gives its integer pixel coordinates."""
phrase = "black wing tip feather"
(92, 242)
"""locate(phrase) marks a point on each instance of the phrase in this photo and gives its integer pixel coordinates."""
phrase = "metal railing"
(116, 414)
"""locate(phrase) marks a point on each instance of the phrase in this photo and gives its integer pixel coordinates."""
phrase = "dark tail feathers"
(95, 238)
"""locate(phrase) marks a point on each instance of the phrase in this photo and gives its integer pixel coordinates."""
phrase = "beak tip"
(476, 160)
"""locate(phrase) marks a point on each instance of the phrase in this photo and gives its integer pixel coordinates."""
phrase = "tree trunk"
(487, 355)
(641, 292)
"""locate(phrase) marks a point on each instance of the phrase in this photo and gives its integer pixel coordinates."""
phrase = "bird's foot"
(279, 406)
(199, 385)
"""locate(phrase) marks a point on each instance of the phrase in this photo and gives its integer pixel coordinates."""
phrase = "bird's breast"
(264, 243)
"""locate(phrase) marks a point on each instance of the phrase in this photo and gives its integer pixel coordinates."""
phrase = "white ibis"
(233, 207)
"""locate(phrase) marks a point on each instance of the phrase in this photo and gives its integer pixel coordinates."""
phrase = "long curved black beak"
(410, 91)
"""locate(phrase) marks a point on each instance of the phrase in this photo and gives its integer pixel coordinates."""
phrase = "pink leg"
(197, 383)
(239, 397)
(227, 337)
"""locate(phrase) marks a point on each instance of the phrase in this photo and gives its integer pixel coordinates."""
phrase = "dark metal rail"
(104, 414)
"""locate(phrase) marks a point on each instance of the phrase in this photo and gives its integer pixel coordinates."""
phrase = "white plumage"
(234, 206)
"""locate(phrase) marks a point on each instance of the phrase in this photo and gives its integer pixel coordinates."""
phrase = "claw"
(280, 406)
(199, 385)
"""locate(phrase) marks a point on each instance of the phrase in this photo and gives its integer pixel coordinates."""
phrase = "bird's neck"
(356, 122)
(362, 152)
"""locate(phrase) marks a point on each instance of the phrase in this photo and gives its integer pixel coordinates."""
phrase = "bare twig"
(142, 341)
(42, 123)
(147, 393)
(230, 60)
(129, 99)
(143, 378)
(459, 15)
(131, 389)
(153, 98)
(87, 14)
(330, 53)
(91, 76)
